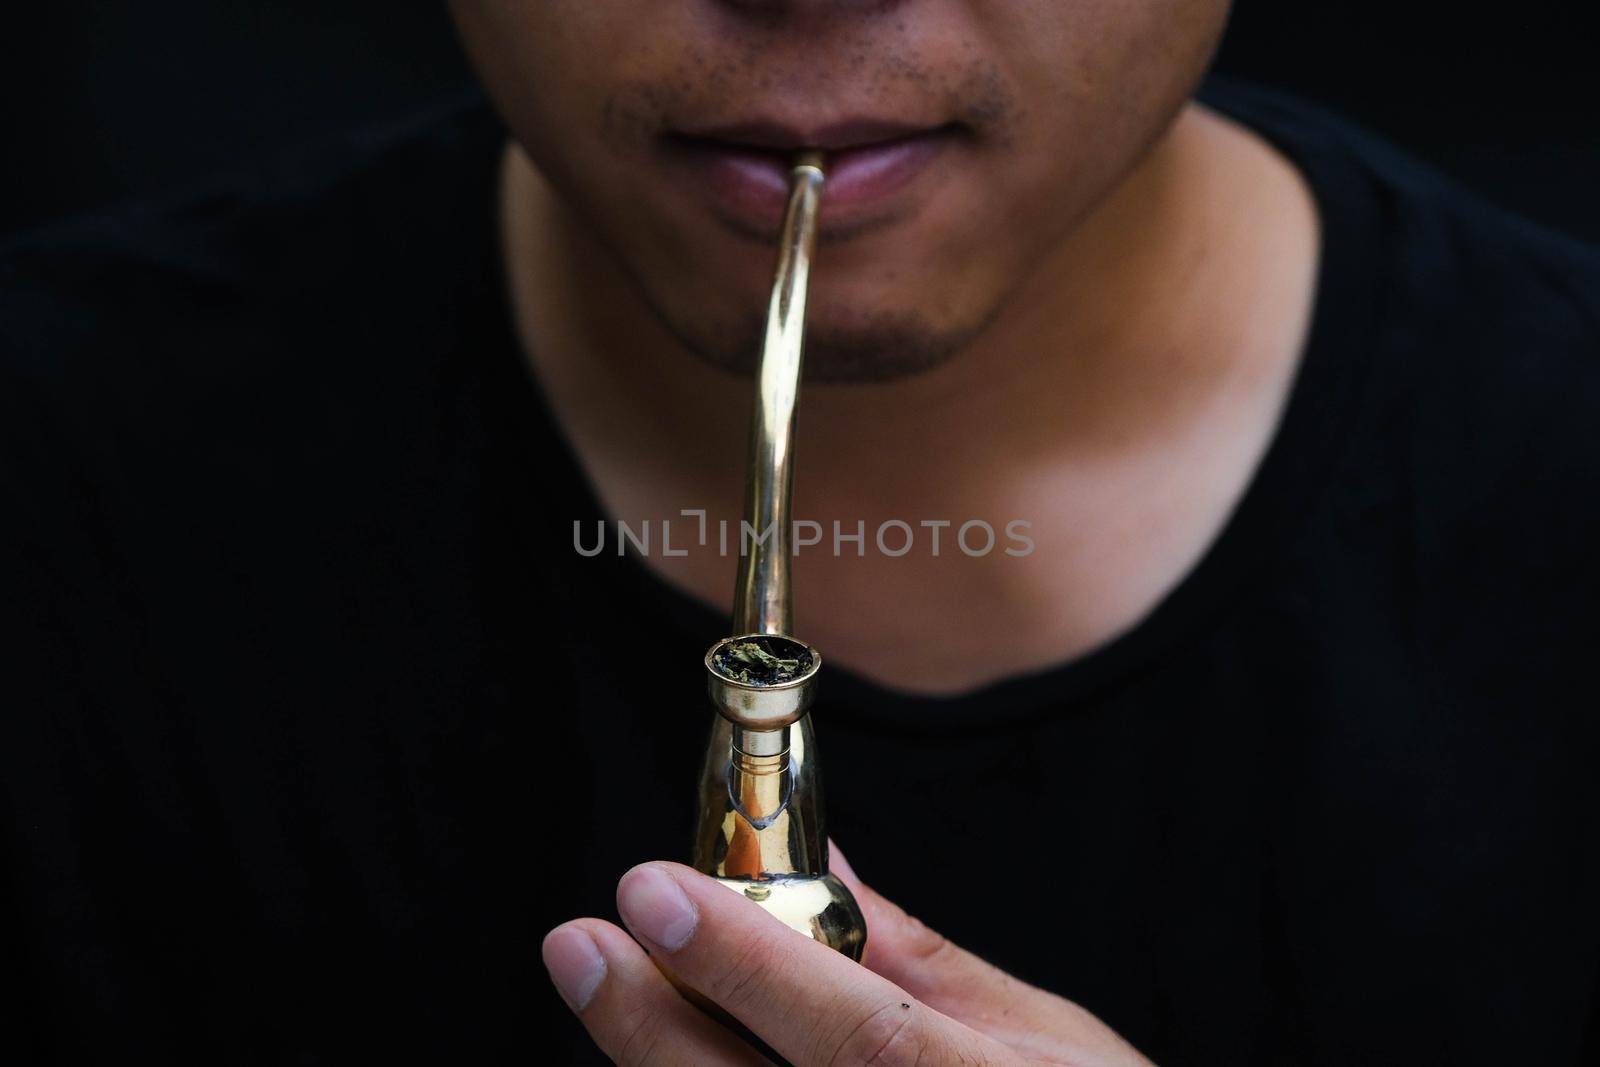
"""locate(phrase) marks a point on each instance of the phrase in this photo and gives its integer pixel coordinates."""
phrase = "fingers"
(630, 1010)
(809, 1003)
(908, 953)
(932, 1004)
(966, 987)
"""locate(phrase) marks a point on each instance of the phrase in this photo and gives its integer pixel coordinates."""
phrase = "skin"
(918, 998)
(1144, 303)
(589, 90)
(1087, 316)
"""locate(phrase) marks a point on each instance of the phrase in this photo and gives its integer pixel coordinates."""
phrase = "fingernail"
(655, 908)
(575, 965)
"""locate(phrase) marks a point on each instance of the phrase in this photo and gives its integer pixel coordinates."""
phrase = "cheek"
(538, 63)
(1098, 81)
(1106, 61)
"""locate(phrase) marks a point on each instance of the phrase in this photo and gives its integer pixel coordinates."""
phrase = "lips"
(744, 168)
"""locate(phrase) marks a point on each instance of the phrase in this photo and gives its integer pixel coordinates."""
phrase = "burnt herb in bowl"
(762, 660)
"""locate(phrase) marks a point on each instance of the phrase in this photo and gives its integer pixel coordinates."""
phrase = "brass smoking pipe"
(760, 829)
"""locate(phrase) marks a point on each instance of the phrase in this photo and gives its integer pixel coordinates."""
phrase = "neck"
(1148, 316)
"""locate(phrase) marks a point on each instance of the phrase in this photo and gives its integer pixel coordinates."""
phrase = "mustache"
(896, 86)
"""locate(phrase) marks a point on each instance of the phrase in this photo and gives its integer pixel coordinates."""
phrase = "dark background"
(106, 99)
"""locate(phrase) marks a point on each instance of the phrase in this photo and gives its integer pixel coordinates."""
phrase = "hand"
(917, 1000)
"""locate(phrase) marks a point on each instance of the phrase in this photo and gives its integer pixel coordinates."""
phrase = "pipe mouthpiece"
(810, 158)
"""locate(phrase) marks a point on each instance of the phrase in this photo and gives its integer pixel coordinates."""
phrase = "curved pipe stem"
(763, 601)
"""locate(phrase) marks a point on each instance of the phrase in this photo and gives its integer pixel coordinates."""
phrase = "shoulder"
(1490, 349)
(226, 297)
(240, 336)
(1442, 242)
(1481, 315)
(246, 254)
(1487, 324)
(1480, 419)
(1492, 297)
(1462, 432)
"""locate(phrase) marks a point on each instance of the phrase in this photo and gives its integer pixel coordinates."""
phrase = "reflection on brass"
(760, 828)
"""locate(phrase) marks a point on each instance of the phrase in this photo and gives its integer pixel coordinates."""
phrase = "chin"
(881, 348)
(885, 352)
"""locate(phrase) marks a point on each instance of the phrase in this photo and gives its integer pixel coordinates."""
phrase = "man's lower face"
(964, 139)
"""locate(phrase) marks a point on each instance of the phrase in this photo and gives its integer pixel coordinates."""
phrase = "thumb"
(959, 984)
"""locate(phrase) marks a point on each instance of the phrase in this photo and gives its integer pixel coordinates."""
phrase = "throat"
(1090, 488)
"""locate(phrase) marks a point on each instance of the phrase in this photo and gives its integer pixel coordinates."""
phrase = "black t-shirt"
(305, 686)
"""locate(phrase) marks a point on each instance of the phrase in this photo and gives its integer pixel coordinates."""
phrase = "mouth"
(744, 168)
